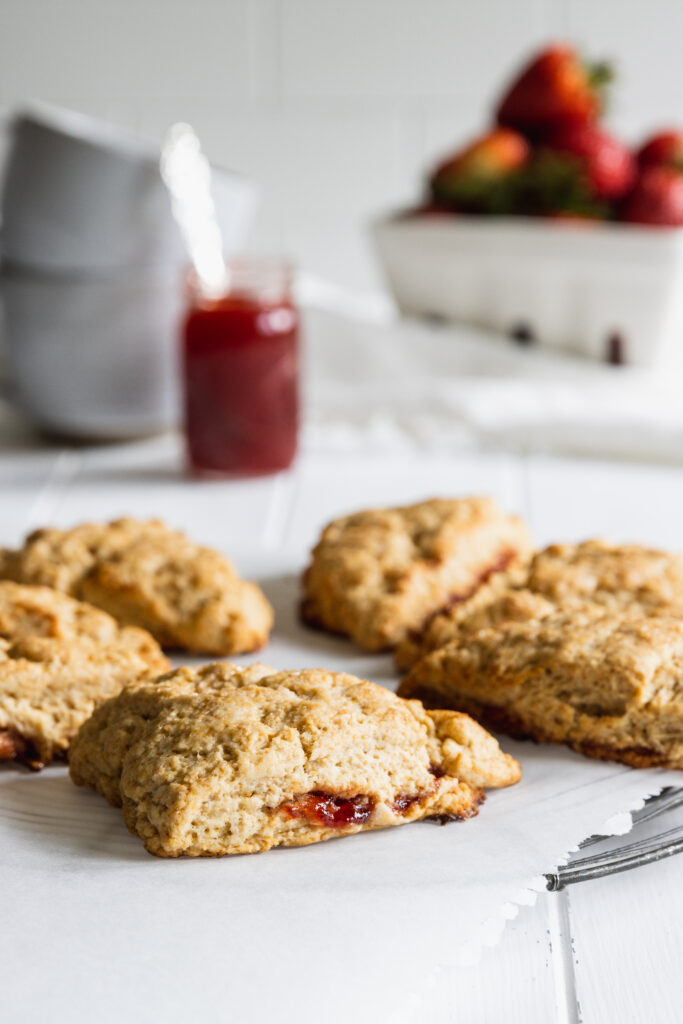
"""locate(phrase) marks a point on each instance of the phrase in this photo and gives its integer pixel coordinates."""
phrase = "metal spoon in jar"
(187, 175)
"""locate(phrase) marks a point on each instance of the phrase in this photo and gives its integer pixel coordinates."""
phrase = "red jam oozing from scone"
(500, 564)
(14, 747)
(404, 801)
(504, 560)
(329, 810)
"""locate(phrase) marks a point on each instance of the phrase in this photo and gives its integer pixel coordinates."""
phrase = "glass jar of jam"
(240, 363)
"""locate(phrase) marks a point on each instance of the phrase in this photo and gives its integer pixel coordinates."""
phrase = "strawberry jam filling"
(500, 564)
(15, 747)
(404, 802)
(329, 810)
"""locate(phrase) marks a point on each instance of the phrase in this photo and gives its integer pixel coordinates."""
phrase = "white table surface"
(603, 952)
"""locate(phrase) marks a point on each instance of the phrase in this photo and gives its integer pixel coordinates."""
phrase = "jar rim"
(263, 278)
(266, 277)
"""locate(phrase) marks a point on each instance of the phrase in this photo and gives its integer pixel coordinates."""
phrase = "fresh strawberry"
(552, 184)
(663, 149)
(554, 88)
(656, 199)
(469, 179)
(606, 165)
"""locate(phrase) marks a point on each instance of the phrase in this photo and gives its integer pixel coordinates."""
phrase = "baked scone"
(219, 759)
(146, 575)
(50, 683)
(27, 610)
(609, 684)
(500, 599)
(379, 574)
(619, 577)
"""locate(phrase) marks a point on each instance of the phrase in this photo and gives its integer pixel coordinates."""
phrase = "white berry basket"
(612, 292)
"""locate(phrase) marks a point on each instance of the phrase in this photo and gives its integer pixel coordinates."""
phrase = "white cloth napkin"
(373, 380)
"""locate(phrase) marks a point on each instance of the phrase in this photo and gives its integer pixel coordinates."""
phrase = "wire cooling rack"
(632, 854)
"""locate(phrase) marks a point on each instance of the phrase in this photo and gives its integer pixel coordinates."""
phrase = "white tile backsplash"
(125, 49)
(403, 48)
(642, 39)
(335, 107)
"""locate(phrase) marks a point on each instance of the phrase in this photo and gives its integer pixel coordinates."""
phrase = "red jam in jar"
(240, 354)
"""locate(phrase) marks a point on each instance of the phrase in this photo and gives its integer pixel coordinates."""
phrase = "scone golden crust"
(501, 599)
(220, 760)
(624, 577)
(376, 575)
(145, 574)
(619, 576)
(609, 684)
(50, 685)
(27, 610)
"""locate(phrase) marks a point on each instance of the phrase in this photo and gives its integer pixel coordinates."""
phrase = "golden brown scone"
(27, 610)
(500, 599)
(58, 657)
(377, 575)
(146, 575)
(609, 684)
(51, 682)
(220, 759)
(618, 577)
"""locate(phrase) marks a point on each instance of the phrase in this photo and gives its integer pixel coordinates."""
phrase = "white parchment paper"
(95, 929)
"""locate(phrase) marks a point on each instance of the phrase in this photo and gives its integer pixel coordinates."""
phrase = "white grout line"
(264, 52)
(64, 469)
(525, 482)
(567, 1006)
(280, 509)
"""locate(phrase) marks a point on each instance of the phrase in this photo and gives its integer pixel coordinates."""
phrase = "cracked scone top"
(145, 574)
(378, 574)
(58, 659)
(609, 684)
(219, 759)
(625, 577)
(27, 610)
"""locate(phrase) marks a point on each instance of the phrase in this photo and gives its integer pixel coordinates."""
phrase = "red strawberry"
(555, 88)
(657, 198)
(551, 183)
(606, 165)
(468, 179)
(665, 148)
